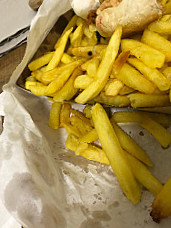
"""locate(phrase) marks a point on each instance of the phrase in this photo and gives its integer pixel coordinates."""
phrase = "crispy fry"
(104, 69)
(148, 100)
(54, 119)
(59, 51)
(144, 176)
(132, 78)
(128, 144)
(161, 207)
(41, 61)
(153, 75)
(158, 131)
(115, 154)
(150, 56)
(68, 91)
(153, 40)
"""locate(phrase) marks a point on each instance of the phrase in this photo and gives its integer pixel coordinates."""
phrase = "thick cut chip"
(151, 74)
(144, 176)
(158, 42)
(104, 69)
(132, 78)
(148, 100)
(158, 131)
(82, 81)
(59, 51)
(54, 119)
(150, 56)
(116, 101)
(128, 144)
(115, 154)
(41, 61)
(161, 207)
(113, 88)
(68, 90)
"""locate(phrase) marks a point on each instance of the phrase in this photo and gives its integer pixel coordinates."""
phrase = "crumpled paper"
(45, 185)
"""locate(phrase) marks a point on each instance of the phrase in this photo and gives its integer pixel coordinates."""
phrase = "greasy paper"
(45, 185)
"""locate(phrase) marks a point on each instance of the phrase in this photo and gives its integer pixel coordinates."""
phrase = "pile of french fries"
(88, 69)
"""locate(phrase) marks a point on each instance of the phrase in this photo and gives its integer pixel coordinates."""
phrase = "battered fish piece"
(132, 15)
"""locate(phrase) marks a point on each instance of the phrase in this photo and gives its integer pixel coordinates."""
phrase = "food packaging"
(45, 185)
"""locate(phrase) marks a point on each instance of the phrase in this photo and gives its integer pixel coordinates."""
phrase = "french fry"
(65, 114)
(59, 82)
(126, 90)
(161, 207)
(92, 67)
(153, 40)
(72, 130)
(132, 78)
(138, 116)
(54, 119)
(163, 27)
(117, 101)
(41, 61)
(94, 153)
(118, 64)
(87, 110)
(128, 144)
(153, 75)
(31, 78)
(89, 51)
(76, 37)
(90, 137)
(68, 90)
(148, 100)
(83, 127)
(59, 51)
(150, 56)
(158, 131)
(72, 23)
(85, 65)
(28, 84)
(38, 89)
(81, 116)
(144, 176)
(87, 32)
(115, 154)
(167, 8)
(66, 58)
(82, 81)
(167, 73)
(104, 69)
(113, 88)
(49, 76)
(72, 142)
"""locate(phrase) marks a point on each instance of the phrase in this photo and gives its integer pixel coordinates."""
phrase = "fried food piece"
(132, 15)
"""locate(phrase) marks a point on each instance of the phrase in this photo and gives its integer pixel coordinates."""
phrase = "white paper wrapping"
(43, 184)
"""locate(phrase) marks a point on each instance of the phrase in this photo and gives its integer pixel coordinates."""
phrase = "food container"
(45, 185)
